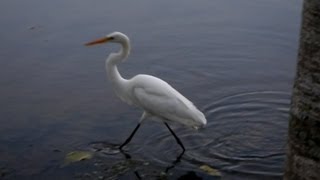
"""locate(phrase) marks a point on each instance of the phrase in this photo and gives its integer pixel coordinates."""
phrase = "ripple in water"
(247, 132)
(245, 135)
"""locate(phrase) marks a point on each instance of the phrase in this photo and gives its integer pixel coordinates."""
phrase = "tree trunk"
(303, 153)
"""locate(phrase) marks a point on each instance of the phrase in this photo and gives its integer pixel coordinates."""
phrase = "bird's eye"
(111, 38)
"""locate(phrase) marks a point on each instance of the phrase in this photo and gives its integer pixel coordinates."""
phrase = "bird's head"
(115, 37)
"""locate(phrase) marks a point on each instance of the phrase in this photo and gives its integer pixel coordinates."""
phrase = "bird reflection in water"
(131, 167)
(189, 175)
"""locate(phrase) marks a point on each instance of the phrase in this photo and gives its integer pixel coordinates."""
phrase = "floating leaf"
(76, 156)
(209, 170)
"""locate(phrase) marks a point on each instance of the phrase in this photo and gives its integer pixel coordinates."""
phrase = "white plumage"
(153, 95)
(158, 98)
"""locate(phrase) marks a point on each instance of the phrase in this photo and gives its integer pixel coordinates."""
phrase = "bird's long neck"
(111, 66)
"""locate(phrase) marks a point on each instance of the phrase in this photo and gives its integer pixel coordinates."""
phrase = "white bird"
(155, 96)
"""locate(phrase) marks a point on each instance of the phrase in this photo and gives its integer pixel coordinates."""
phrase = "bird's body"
(155, 96)
(158, 98)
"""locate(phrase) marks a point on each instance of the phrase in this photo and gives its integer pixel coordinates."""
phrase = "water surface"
(234, 59)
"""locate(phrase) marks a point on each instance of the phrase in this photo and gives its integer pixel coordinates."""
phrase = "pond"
(235, 60)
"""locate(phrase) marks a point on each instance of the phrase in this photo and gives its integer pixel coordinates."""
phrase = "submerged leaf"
(209, 170)
(76, 156)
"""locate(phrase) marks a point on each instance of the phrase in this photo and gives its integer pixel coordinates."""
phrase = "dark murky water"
(234, 59)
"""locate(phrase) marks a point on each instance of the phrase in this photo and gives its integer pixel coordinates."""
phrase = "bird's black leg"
(176, 137)
(130, 137)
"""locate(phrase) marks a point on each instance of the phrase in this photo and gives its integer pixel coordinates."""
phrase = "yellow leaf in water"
(209, 170)
(76, 156)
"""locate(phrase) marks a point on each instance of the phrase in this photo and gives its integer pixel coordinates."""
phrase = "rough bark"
(303, 152)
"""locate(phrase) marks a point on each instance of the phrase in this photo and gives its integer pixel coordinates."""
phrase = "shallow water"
(235, 60)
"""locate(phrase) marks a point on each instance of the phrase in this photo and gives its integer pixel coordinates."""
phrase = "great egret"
(155, 96)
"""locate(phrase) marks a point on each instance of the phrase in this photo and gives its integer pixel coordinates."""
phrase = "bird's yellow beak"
(98, 41)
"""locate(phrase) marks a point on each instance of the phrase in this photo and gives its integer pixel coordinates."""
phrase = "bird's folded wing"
(162, 104)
